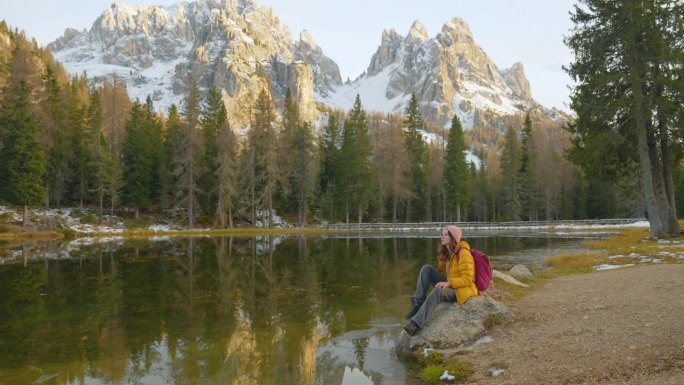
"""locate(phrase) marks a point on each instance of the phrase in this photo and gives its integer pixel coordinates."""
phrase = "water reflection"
(259, 310)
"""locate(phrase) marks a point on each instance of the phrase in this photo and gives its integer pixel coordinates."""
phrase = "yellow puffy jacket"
(461, 274)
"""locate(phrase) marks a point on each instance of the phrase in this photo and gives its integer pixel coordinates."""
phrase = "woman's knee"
(427, 269)
(447, 294)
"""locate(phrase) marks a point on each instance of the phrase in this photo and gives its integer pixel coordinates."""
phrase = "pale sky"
(349, 31)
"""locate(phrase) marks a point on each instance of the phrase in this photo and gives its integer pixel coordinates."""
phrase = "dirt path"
(623, 326)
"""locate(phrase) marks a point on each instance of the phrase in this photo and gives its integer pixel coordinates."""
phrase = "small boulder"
(521, 272)
(452, 325)
(507, 278)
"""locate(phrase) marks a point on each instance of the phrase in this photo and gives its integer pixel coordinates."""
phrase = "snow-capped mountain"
(236, 46)
(450, 74)
(240, 47)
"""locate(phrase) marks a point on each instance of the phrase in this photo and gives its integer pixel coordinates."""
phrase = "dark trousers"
(429, 276)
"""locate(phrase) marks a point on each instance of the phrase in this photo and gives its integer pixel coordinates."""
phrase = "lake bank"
(611, 315)
(620, 326)
(76, 223)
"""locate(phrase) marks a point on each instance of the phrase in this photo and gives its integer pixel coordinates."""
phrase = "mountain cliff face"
(239, 47)
(450, 74)
(235, 46)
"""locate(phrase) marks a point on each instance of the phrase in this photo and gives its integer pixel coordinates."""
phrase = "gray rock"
(452, 325)
(507, 278)
(521, 272)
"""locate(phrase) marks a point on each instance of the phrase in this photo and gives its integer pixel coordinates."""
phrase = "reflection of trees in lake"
(242, 358)
(107, 323)
(185, 323)
(22, 315)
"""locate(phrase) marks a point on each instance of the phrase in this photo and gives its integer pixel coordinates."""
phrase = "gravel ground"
(623, 326)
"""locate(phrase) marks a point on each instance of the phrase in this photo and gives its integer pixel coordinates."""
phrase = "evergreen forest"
(65, 142)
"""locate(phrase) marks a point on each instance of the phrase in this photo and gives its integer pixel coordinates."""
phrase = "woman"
(454, 280)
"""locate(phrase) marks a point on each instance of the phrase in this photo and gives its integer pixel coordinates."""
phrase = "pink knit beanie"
(455, 232)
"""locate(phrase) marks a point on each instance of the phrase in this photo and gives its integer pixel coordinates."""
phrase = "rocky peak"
(457, 27)
(306, 40)
(417, 32)
(387, 51)
(515, 78)
(326, 73)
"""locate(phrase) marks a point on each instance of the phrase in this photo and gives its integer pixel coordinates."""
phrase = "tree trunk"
(394, 208)
(101, 206)
(639, 113)
(645, 167)
(671, 219)
(667, 219)
(346, 209)
(270, 209)
(25, 219)
(360, 211)
(230, 216)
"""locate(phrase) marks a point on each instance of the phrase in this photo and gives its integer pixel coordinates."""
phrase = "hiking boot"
(415, 306)
(411, 328)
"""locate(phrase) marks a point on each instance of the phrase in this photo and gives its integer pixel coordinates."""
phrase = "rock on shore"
(453, 325)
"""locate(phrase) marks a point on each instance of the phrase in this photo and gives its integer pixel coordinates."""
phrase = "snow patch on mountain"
(372, 91)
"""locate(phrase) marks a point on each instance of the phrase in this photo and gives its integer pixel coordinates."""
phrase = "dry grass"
(629, 242)
(565, 264)
(13, 232)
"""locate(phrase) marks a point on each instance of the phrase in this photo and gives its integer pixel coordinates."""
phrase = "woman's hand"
(441, 285)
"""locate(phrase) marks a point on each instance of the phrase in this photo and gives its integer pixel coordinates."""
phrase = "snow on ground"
(77, 220)
(636, 258)
(606, 266)
(9, 215)
(572, 226)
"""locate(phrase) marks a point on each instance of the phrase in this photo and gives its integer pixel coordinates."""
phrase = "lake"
(254, 310)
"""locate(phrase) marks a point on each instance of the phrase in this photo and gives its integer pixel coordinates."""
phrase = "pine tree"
(116, 107)
(188, 155)
(457, 178)
(330, 143)
(138, 162)
(287, 183)
(154, 137)
(172, 132)
(214, 116)
(304, 176)
(480, 203)
(22, 160)
(80, 160)
(99, 150)
(113, 179)
(296, 148)
(528, 171)
(263, 168)
(418, 158)
(226, 175)
(355, 169)
(510, 181)
(54, 122)
(628, 60)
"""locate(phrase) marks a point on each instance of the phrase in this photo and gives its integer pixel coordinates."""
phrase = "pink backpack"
(483, 269)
